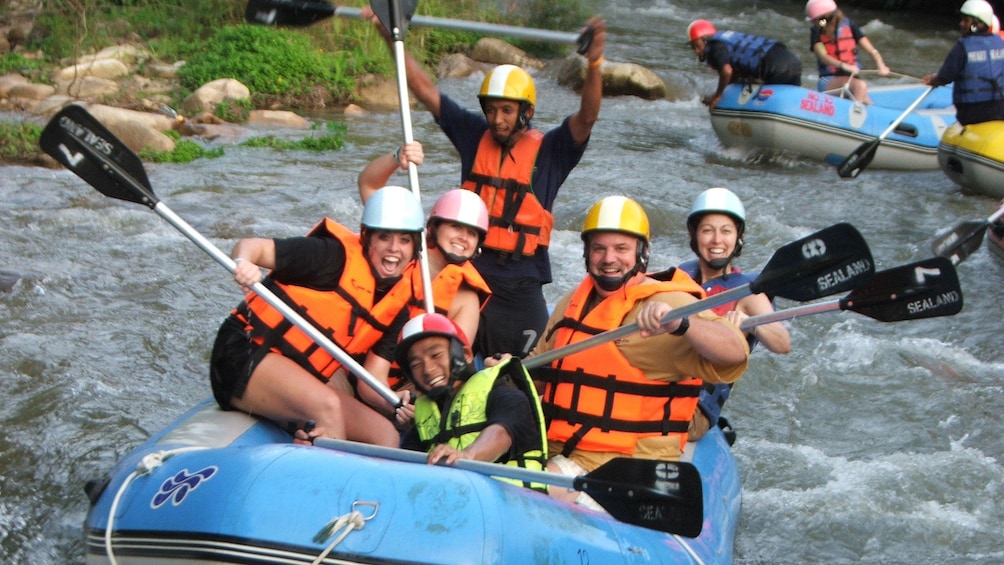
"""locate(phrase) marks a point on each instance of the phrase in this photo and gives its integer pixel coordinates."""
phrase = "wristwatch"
(684, 326)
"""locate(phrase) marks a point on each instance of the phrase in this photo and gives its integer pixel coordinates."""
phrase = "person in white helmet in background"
(976, 67)
(355, 286)
(742, 58)
(716, 225)
(490, 415)
(633, 396)
(835, 40)
(517, 170)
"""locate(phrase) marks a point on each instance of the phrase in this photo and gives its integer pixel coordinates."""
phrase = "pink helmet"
(700, 28)
(815, 9)
(461, 206)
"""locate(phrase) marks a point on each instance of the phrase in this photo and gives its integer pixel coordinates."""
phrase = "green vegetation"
(334, 139)
(185, 151)
(18, 142)
(295, 68)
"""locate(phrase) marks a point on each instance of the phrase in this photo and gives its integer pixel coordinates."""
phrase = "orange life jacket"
(517, 222)
(843, 47)
(347, 315)
(445, 286)
(596, 399)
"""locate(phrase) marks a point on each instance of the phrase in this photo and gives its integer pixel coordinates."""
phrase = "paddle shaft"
(857, 161)
(905, 113)
(396, 29)
(623, 331)
(479, 27)
(791, 313)
(481, 467)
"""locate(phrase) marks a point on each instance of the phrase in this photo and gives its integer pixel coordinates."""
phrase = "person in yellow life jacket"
(635, 396)
(490, 415)
(517, 170)
(354, 288)
(834, 39)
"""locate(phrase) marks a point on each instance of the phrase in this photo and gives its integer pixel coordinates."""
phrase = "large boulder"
(210, 95)
(619, 79)
(498, 52)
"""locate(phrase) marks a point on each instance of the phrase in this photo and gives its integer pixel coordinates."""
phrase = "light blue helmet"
(393, 208)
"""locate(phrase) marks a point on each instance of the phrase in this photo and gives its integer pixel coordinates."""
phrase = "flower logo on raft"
(177, 487)
(817, 104)
(763, 94)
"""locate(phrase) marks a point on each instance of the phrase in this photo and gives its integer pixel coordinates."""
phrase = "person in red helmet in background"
(976, 66)
(742, 57)
(835, 40)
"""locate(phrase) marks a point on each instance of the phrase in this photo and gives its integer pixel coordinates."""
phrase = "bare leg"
(283, 391)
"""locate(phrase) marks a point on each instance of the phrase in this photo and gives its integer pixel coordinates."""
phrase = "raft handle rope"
(146, 465)
(347, 523)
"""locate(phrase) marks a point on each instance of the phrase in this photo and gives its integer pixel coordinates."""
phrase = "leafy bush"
(269, 61)
(333, 140)
(19, 141)
(185, 151)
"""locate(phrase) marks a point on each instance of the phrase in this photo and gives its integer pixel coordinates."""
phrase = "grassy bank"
(295, 68)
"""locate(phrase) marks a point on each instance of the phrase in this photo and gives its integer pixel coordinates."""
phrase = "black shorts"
(781, 66)
(513, 318)
(233, 360)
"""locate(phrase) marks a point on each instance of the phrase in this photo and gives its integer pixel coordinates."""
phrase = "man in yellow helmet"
(635, 396)
(517, 170)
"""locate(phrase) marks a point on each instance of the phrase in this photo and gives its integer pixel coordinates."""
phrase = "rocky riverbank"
(131, 93)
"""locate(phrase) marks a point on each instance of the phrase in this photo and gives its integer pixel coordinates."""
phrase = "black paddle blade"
(296, 13)
(961, 241)
(79, 141)
(394, 15)
(857, 161)
(925, 289)
(833, 260)
(660, 495)
(584, 40)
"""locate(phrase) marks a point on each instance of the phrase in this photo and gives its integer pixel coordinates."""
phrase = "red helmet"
(700, 28)
(421, 327)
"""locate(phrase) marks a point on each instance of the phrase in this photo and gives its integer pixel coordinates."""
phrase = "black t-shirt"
(317, 263)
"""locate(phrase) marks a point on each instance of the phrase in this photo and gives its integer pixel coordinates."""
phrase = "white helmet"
(393, 208)
(721, 201)
(979, 9)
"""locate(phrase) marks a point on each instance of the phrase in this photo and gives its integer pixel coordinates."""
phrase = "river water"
(870, 442)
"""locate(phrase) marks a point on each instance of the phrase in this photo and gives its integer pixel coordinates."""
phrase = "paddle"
(299, 13)
(859, 159)
(925, 289)
(832, 260)
(394, 16)
(964, 238)
(81, 143)
(660, 495)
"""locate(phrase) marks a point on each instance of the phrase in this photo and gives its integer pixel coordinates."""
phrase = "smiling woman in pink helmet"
(835, 41)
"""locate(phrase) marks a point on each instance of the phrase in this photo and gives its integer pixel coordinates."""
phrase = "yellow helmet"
(509, 82)
(617, 213)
